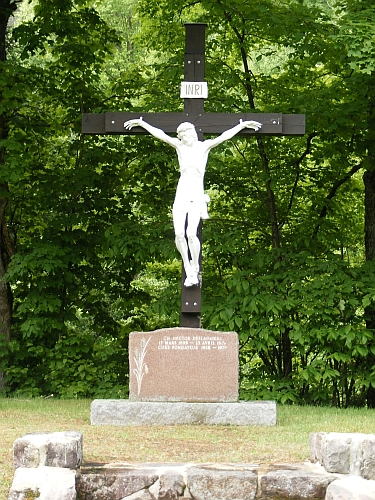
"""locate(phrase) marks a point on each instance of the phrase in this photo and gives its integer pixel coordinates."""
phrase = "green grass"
(286, 442)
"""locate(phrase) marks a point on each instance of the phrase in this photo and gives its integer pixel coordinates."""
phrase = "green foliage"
(302, 324)
(78, 365)
(356, 33)
(90, 216)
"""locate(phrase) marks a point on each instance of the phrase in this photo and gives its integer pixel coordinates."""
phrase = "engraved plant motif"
(139, 359)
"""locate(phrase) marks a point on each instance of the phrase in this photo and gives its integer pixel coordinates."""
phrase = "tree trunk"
(287, 355)
(6, 298)
(369, 182)
(7, 8)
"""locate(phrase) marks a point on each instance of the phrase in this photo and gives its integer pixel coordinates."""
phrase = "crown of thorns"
(184, 126)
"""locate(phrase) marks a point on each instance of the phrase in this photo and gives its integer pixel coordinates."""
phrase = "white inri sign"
(194, 90)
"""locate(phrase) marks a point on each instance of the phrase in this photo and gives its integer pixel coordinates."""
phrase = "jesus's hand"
(137, 122)
(251, 124)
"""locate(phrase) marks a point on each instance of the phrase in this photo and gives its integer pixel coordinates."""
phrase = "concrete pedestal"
(125, 412)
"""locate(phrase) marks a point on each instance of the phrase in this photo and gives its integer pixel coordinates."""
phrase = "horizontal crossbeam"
(207, 123)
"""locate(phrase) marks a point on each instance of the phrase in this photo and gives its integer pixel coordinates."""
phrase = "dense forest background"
(87, 251)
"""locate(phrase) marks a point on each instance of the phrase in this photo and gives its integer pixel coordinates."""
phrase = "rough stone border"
(56, 449)
(48, 467)
(344, 453)
(45, 466)
(202, 482)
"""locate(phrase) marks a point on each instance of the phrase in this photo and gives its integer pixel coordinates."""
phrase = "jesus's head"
(186, 132)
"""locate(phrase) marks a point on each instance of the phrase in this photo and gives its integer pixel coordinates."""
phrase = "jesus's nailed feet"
(192, 279)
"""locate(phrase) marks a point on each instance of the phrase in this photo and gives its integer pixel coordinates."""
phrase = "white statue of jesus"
(190, 202)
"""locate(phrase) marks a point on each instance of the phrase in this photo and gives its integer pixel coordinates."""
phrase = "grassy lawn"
(286, 442)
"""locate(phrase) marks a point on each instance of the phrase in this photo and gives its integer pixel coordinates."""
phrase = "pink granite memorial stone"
(183, 364)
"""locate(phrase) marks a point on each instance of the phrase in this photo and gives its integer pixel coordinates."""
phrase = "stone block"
(154, 490)
(124, 412)
(344, 453)
(315, 442)
(57, 449)
(216, 484)
(297, 484)
(368, 458)
(114, 483)
(183, 364)
(43, 483)
(171, 485)
(351, 488)
(336, 453)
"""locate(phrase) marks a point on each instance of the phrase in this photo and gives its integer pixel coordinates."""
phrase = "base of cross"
(191, 306)
(191, 296)
(191, 302)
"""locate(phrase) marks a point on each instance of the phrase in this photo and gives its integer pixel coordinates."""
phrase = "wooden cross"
(210, 123)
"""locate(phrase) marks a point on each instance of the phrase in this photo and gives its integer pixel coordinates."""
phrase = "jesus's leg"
(193, 240)
(182, 247)
(179, 219)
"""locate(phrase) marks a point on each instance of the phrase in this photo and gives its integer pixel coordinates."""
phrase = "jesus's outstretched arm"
(228, 134)
(156, 132)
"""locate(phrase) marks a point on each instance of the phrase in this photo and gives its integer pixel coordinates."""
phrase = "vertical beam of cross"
(191, 297)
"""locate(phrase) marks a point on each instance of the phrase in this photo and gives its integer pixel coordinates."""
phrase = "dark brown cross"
(209, 123)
